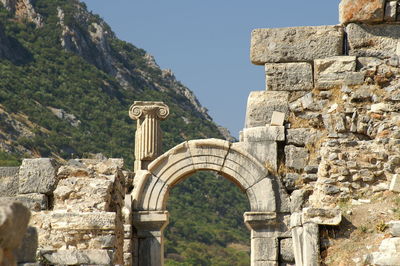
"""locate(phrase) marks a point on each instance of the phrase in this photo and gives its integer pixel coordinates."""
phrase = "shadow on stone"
(27, 250)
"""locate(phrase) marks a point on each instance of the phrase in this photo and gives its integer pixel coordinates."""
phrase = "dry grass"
(362, 231)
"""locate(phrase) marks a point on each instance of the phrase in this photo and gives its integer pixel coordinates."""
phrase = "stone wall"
(76, 210)
(338, 90)
(338, 87)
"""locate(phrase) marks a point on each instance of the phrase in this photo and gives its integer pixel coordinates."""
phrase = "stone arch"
(152, 186)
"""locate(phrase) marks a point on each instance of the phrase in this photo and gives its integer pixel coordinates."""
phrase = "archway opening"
(215, 236)
(152, 187)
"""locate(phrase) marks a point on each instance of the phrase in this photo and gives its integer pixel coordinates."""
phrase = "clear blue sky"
(206, 42)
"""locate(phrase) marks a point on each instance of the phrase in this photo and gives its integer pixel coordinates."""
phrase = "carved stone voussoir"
(140, 110)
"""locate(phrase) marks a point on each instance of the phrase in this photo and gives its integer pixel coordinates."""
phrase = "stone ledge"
(78, 257)
(323, 216)
(60, 220)
(150, 220)
(267, 133)
(256, 220)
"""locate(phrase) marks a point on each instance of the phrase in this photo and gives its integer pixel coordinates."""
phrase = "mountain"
(66, 83)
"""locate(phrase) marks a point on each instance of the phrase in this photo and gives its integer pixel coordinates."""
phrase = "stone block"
(27, 250)
(60, 230)
(265, 151)
(383, 258)
(264, 249)
(296, 220)
(128, 231)
(394, 228)
(286, 250)
(110, 166)
(259, 200)
(33, 201)
(311, 169)
(8, 181)
(368, 63)
(83, 194)
(14, 218)
(127, 246)
(289, 77)
(335, 71)
(297, 200)
(395, 183)
(61, 220)
(303, 136)
(74, 168)
(78, 257)
(297, 44)
(380, 107)
(277, 119)
(38, 176)
(290, 180)
(361, 11)
(261, 105)
(390, 245)
(388, 253)
(325, 216)
(307, 102)
(128, 259)
(296, 157)
(330, 189)
(391, 11)
(266, 133)
(307, 178)
(266, 263)
(379, 41)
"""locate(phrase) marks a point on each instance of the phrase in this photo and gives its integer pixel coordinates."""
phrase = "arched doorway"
(151, 188)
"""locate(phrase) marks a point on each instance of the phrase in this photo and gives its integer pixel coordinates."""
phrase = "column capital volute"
(140, 109)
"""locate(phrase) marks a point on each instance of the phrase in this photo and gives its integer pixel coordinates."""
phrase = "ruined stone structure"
(325, 129)
(76, 210)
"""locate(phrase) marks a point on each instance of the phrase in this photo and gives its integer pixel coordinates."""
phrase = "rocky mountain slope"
(33, 35)
(66, 83)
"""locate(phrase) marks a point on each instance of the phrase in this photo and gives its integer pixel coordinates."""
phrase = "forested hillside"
(66, 83)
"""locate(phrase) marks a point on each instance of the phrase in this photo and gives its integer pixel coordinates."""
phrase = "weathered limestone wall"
(76, 210)
(342, 108)
(338, 90)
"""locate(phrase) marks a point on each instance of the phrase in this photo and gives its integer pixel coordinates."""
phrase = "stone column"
(129, 245)
(305, 241)
(150, 239)
(264, 243)
(311, 244)
(148, 136)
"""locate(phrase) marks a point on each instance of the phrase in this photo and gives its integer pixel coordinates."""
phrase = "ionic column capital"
(139, 110)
